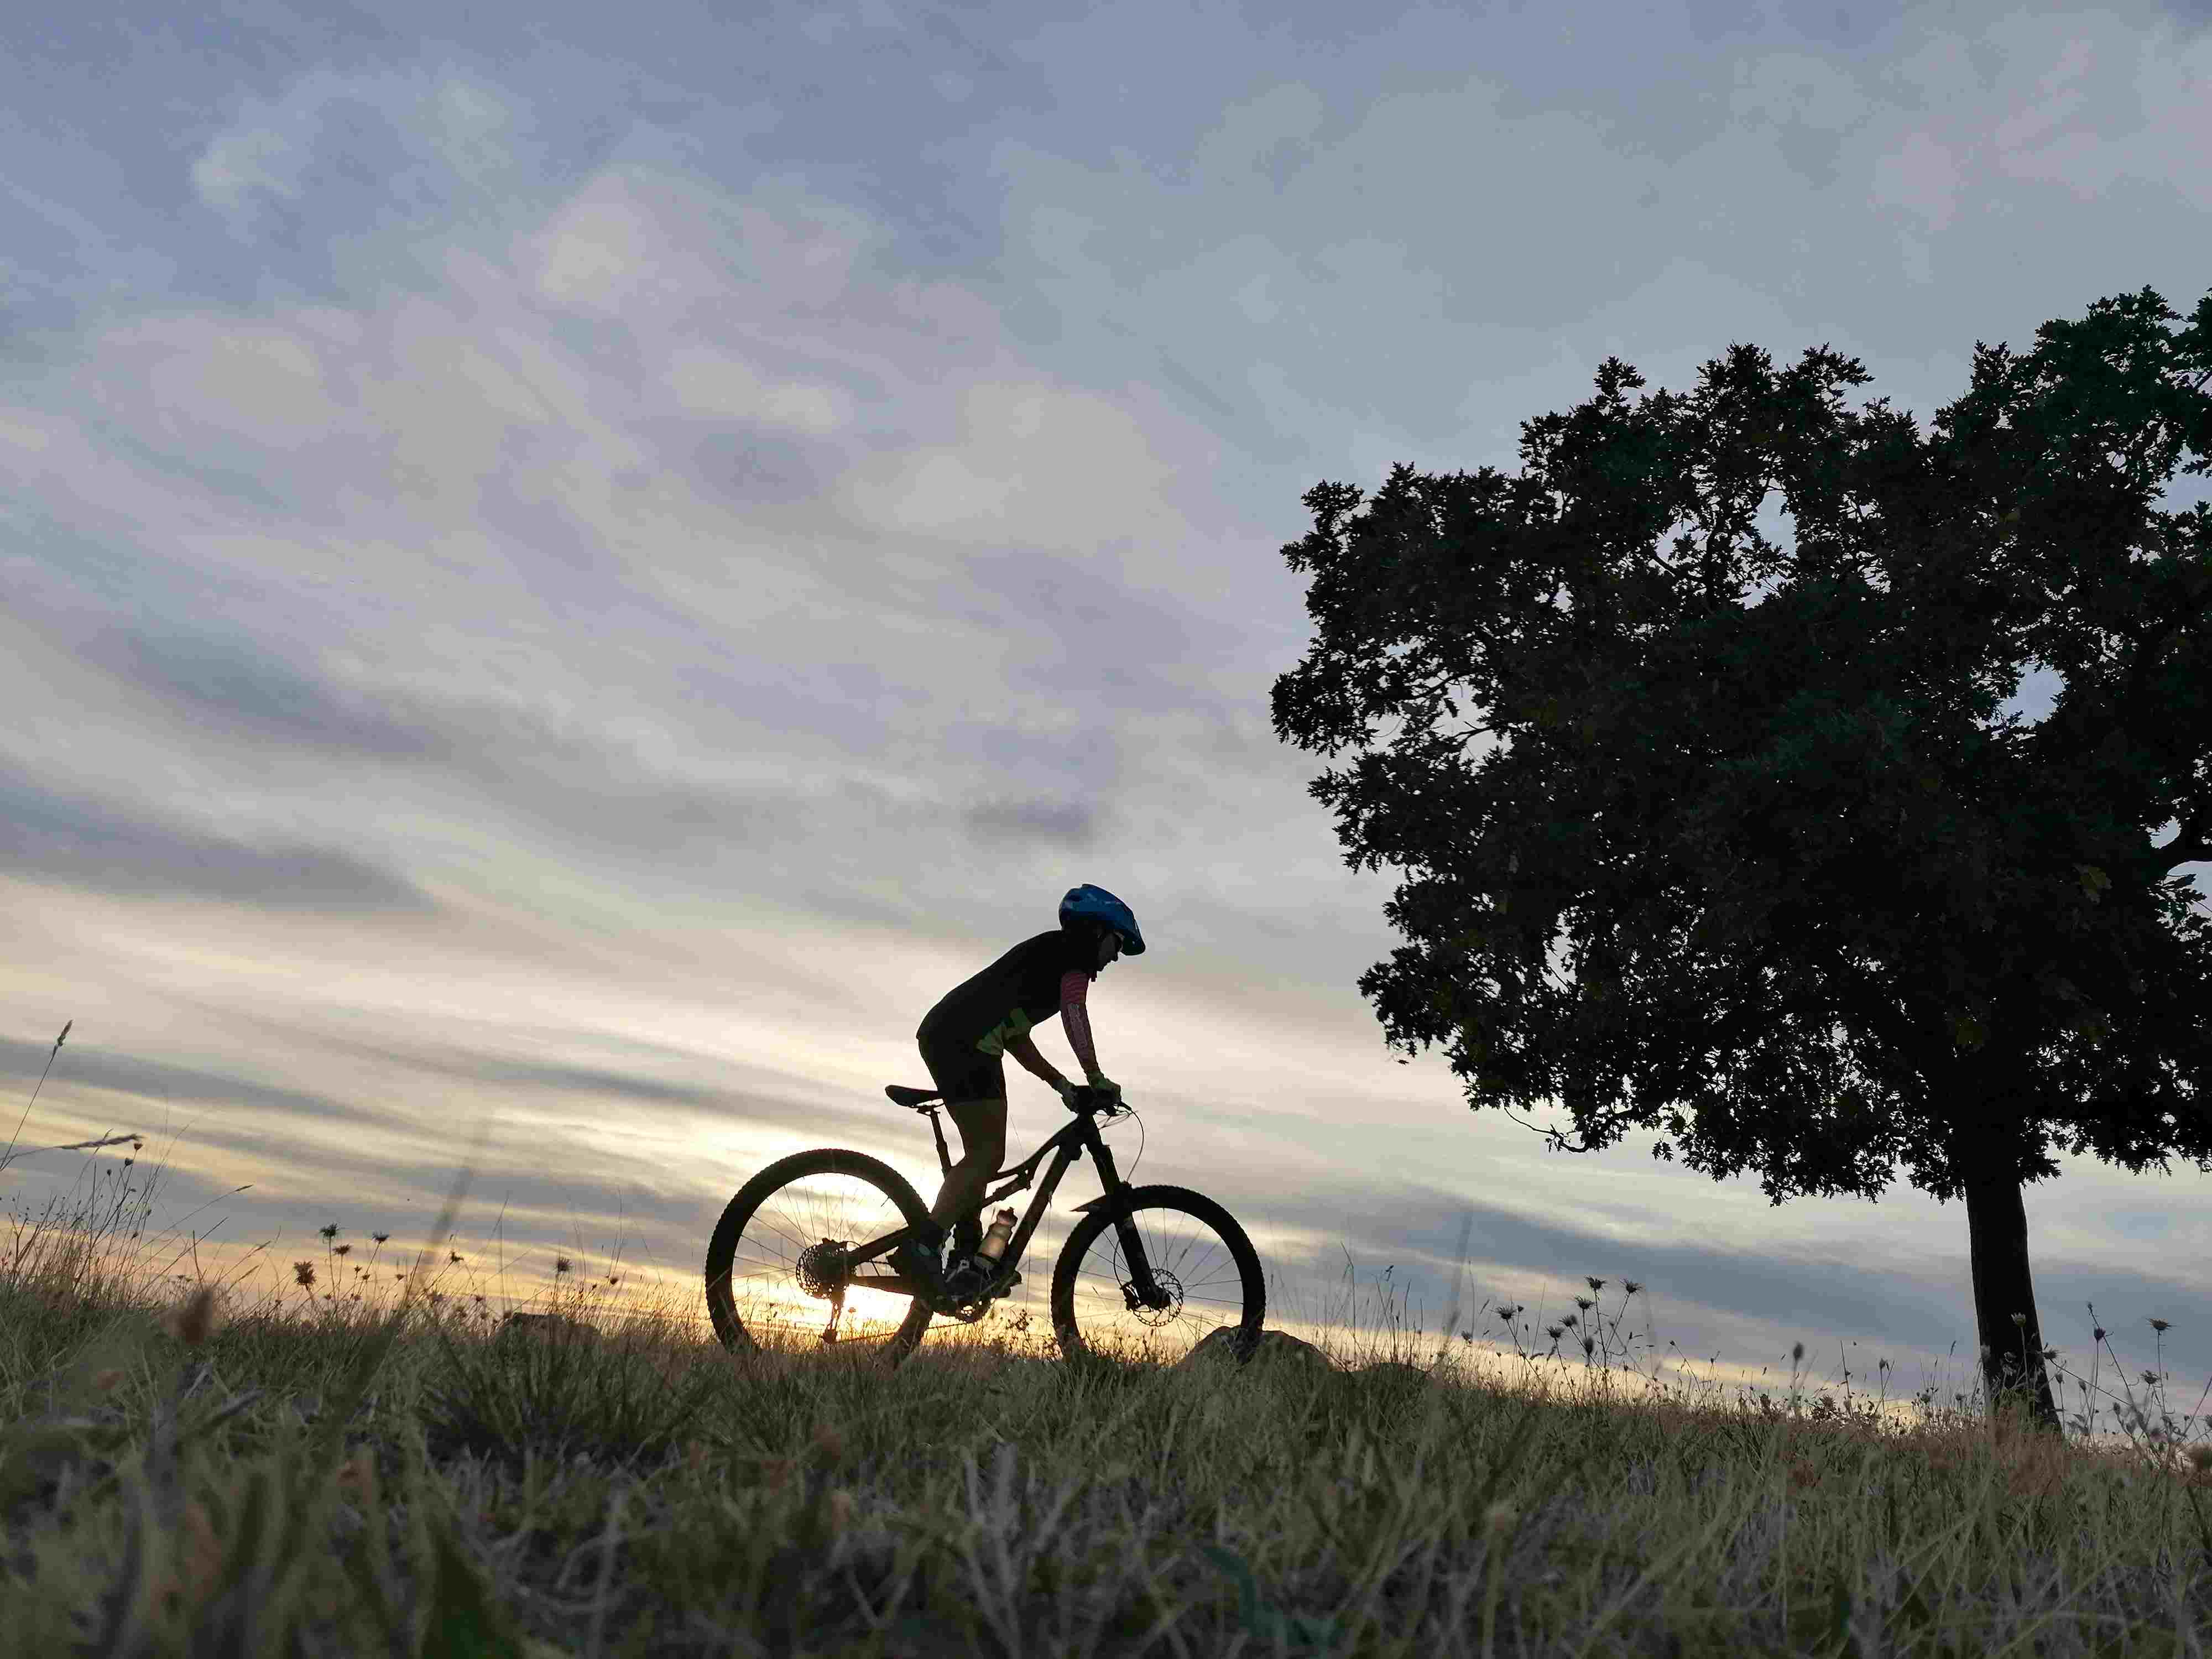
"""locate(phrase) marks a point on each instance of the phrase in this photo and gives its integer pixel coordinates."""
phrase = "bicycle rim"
(1202, 1266)
(773, 1268)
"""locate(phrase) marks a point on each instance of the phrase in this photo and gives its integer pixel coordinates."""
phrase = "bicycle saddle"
(919, 1099)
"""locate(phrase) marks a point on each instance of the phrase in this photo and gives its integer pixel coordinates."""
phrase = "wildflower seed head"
(303, 1273)
(2020, 1319)
(2097, 1334)
(342, 1250)
(453, 1257)
(330, 1231)
(2161, 1326)
(1595, 1285)
(381, 1238)
(195, 1319)
(1588, 1344)
(562, 1264)
(1630, 1287)
(357, 1474)
(1571, 1320)
(2150, 1379)
(1796, 1353)
(1555, 1331)
(1584, 1303)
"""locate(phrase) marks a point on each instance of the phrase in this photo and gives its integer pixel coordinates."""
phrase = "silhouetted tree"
(1721, 841)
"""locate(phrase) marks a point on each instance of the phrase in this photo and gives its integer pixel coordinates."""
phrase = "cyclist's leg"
(982, 1125)
(974, 1086)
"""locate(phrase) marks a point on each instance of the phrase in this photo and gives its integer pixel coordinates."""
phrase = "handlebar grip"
(1084, 1097)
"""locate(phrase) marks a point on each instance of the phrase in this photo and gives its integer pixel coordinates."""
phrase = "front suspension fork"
(1141, 1287)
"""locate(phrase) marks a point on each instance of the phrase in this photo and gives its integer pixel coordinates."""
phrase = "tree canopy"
(1725, 841)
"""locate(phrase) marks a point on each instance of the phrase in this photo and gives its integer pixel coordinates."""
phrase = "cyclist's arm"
(1075, 1018)
(1032, 1061)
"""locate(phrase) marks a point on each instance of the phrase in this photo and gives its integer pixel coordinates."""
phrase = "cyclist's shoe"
(917, 1263)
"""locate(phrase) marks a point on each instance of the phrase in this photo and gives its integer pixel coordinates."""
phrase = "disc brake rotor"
(1170, 1296)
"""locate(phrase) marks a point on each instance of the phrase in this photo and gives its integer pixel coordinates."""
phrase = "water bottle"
(994, 1242)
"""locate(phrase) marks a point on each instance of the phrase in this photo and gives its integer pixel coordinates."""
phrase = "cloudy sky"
(578, 570)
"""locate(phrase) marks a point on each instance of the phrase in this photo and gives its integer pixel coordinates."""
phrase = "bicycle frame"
(1071, 1140)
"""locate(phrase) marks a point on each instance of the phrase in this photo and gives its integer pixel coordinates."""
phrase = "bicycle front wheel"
(775, 1272)
(1151, 1274)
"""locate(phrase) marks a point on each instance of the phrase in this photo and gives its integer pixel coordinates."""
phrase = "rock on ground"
(1277, 1350)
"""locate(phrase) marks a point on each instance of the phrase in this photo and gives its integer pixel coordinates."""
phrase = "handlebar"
(1084, 1098)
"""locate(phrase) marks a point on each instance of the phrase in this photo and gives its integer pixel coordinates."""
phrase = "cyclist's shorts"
(962, 1073)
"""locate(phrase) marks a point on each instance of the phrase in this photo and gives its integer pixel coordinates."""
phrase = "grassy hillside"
(185, 1470)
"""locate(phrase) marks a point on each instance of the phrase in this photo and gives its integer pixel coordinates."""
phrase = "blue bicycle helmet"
(1089, 904)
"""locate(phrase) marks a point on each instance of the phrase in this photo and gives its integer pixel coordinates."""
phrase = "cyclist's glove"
(1106, 1087)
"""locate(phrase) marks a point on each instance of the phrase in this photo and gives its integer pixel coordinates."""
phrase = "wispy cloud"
(115, 847)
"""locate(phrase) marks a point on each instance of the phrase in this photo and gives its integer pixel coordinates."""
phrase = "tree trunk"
(2004, 1289)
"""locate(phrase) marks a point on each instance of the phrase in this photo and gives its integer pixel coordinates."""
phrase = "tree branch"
(1557, 1138)
(2192, 846)
(2149, 644)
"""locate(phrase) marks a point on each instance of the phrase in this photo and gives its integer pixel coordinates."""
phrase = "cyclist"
(974, 1026)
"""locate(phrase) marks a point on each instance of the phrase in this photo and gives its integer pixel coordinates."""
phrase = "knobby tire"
(721, 1248)
(1130, 1201)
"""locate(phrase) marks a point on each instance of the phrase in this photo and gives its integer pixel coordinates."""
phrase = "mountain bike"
(801, 1255)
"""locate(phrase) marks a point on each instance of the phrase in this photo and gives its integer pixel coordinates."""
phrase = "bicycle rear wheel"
(775, 1272)
(1204, 1276)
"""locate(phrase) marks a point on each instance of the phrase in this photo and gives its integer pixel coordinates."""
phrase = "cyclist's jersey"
(1040, 977)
